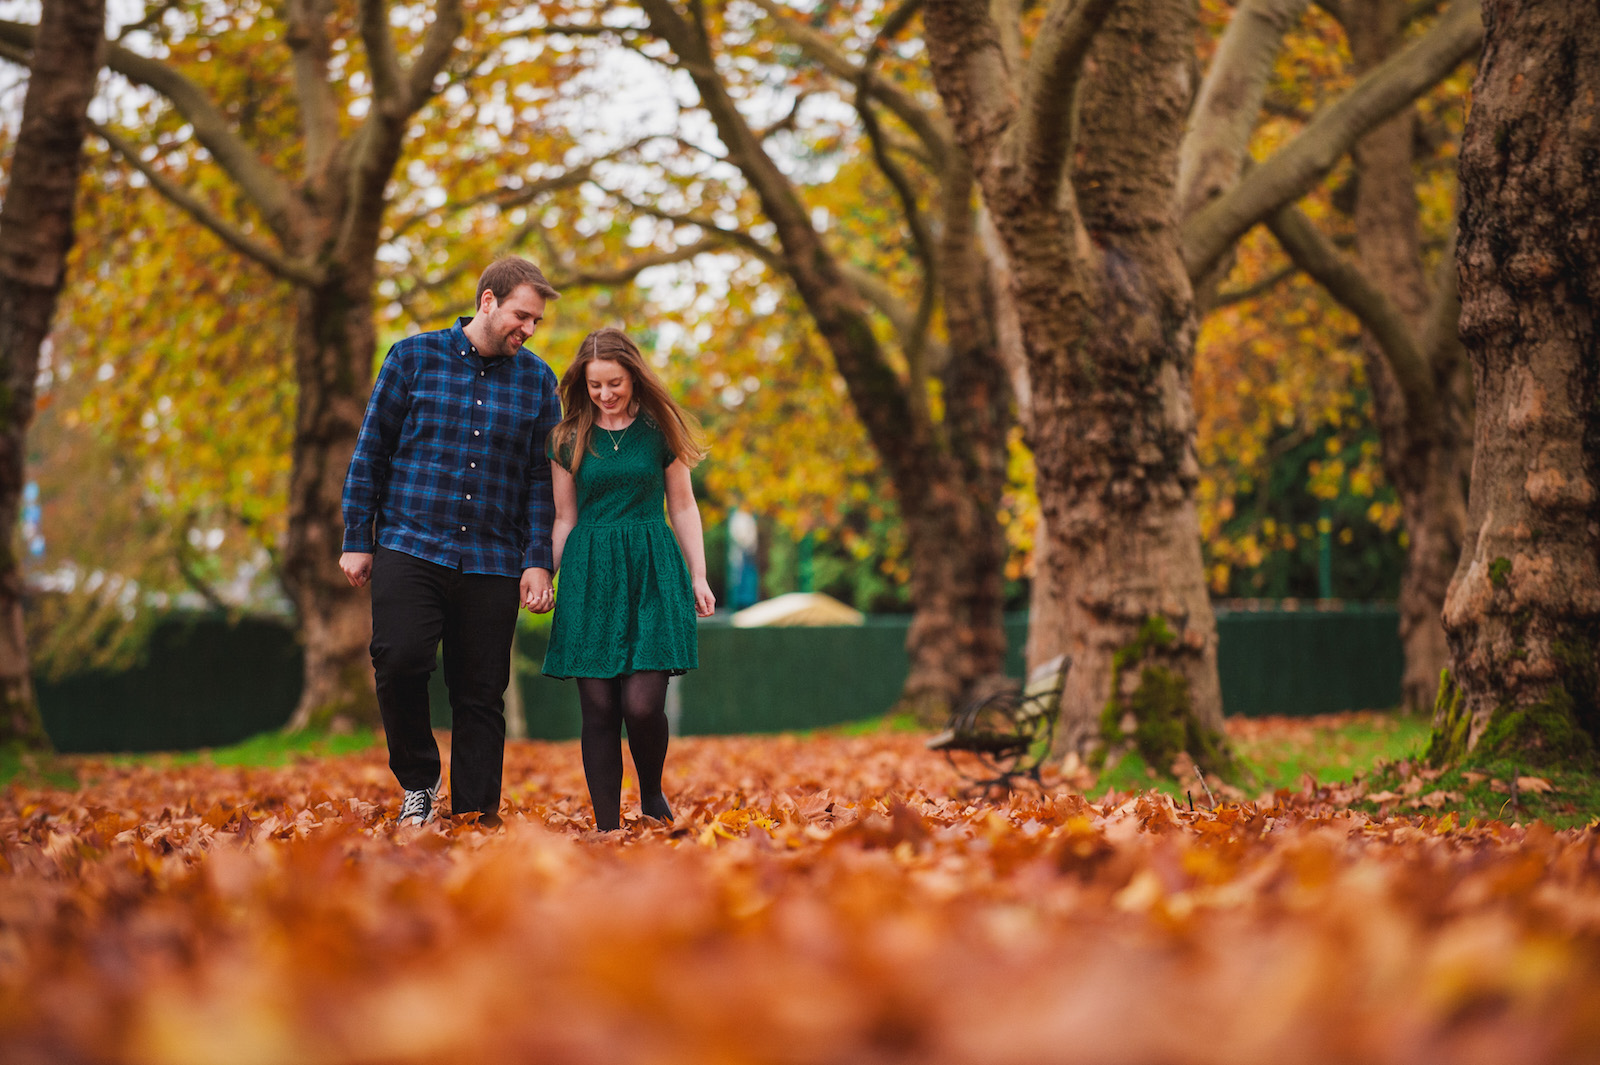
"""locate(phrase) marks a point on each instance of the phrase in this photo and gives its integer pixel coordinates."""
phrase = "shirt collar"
(464, 347)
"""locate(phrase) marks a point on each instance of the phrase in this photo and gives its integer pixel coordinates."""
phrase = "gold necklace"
(616, 441)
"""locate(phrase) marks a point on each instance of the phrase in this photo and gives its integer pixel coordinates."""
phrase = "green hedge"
(207, 682)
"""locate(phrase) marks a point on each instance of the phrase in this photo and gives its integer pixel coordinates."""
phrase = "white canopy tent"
(798, 608)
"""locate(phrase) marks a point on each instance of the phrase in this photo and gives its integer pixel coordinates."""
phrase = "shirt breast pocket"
(511, 424)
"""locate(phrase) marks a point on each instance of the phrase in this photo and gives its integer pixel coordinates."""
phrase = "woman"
(628, 595)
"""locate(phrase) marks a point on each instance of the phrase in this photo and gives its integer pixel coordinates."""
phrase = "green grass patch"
(39, 769)
(1331, 750)
(268, 749)
(1282, 752)
(265, 749)
(871, 726)
(1490, 791)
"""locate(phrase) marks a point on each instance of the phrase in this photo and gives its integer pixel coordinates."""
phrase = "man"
(447, 511)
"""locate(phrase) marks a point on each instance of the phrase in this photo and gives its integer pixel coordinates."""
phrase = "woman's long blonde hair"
(574, 436)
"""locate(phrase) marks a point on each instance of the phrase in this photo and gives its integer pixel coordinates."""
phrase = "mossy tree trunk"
(1523, 611)
(1107, 320)
(35, 236)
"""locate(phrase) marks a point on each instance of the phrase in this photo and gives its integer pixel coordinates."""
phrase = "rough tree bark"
(322, 233)
(948, 474)
(1107, 322)
(35, 236)
(1523, 611)
(1106, 318)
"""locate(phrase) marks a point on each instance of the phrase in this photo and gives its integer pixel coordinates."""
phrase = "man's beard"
(507, 348)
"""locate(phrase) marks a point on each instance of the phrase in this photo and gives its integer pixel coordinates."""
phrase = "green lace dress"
(624, 602)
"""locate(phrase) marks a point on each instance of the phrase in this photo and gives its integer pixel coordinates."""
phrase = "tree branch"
(502, 198)
(375, 151)
(1225, 112)
(788, 121)
(279, 264)
(388, 78)
(436, 48)
(914, 340)
(1007, 18)
(1290, 173)
(1312, 252)
(1043, 132)
(737, 238)
(307, 39)
(875, 291)
(627, 272)
(266, 189)
(152, 17)
(1250, 292)
(817, 46)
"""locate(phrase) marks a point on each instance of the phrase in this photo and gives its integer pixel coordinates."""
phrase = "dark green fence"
(202, 683)
(208, 683)
(1300, 662)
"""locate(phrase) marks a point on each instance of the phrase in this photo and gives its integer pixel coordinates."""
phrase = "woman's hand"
(705, 604)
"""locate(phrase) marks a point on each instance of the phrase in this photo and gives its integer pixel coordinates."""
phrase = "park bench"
(1007, 733)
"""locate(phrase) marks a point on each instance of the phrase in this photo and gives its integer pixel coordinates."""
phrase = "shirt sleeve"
(375, 446)
(541, 497)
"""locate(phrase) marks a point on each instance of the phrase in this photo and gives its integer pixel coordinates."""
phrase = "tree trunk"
(1115, 419)
(978, 418)
(35, 236)
(957, 639)
(1523, 611)
(1420, 442)
(335, 342)
(1047, 620)
(1108, 323)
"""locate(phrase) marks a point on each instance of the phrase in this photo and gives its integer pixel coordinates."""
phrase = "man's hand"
(537, 595)
(357, 566)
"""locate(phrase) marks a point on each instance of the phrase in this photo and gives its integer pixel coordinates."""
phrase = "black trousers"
(415, 606)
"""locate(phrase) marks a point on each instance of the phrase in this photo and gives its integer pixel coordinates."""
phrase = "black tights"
(641, 699)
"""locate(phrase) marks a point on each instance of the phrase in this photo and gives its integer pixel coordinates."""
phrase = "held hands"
(704, 602)
(537, 595)
(357, 567)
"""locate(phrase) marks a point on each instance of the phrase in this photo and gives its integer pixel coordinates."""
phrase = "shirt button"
(474, 465)
(469, 495)
(480, 402)
(463, 528)
(474, 432)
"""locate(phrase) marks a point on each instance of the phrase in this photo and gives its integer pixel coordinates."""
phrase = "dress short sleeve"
(550, 452)
(662, 450)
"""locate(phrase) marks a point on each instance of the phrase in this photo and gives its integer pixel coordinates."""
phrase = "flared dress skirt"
(624, 604)
(624, 601)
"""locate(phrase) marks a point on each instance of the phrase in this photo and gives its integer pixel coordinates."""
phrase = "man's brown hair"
(505, 276)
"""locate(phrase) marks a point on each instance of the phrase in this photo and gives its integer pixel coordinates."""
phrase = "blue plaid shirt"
(450, 465)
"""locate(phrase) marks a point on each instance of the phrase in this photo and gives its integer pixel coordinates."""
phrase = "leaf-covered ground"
(821, 899)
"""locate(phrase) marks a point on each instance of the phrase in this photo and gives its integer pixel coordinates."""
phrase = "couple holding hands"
(475, 478)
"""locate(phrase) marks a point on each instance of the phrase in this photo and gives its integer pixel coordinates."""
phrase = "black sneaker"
(418, 807)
